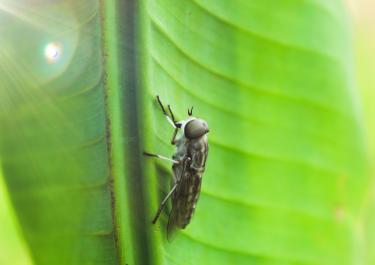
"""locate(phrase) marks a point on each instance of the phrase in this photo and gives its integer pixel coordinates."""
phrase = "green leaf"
(286, 176)
(365, 55)
(273, 79)
(54, 140)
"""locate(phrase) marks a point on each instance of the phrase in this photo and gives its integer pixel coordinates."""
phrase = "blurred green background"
(13, 250)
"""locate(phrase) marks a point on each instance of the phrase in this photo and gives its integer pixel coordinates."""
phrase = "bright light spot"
(53, 52)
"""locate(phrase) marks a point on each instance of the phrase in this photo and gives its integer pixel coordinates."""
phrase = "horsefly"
(188, 167)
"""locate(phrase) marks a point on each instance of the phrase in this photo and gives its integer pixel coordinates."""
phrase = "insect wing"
(183, 201)
(177, 200)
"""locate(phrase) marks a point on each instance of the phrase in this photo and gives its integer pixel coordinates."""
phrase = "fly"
(188, 165)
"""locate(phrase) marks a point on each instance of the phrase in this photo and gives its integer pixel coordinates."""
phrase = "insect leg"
(161, 157)
(170, 120)
(163, 203)
(173, 141)
(172, 116)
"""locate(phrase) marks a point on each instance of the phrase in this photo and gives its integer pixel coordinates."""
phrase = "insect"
(189, 163)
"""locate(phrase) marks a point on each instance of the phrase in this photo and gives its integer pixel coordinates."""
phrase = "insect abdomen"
(188, 199)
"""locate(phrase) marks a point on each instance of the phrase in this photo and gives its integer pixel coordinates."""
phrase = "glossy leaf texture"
(53, 130)
(286, 174)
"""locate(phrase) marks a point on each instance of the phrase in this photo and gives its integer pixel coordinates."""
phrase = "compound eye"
(196, 128)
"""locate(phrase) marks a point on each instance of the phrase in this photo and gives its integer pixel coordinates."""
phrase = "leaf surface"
(286, 176)
(54, 145)
(286, 173)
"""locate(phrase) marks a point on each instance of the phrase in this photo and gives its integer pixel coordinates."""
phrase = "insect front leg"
(163, 203)
(169, 119)
(173, 141)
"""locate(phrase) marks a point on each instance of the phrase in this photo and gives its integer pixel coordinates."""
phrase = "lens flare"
(53, 52)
